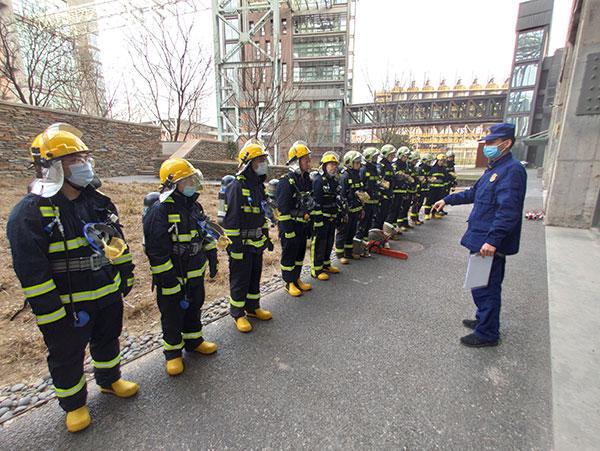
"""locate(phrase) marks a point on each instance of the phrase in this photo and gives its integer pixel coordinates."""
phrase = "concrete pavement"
(368, 360)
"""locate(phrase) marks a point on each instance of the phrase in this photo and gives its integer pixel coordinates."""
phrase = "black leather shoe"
(470, 323)
(473, 341)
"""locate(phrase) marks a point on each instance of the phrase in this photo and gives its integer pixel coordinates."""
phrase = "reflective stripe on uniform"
(66, 392)
(172, 290)
(237, 255)
(191, 335)
(51, 317)
(174, 218)
(285, 218)
(232, 232)
(299, 262)
(289, 235)
(256, 243)
(166, 266)
(125, 258)
(39, 289)
(245, 192)
(49, 212)
(197, 272)
(210, 245)
(75, 243)
(253, 296)
(93, 295)
(287, 268)
(169, 347)
(108, 364)
(130, 281)
(185, 237)
(238, 304)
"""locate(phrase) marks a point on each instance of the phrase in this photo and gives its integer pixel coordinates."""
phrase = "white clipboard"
(478, 271)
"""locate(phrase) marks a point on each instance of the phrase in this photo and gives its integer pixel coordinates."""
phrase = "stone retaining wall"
(120, 147)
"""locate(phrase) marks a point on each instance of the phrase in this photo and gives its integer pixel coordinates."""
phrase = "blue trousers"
(488, 301)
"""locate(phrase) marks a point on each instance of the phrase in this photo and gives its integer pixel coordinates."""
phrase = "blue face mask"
(491, 152)
(81, 174)
(189, 191)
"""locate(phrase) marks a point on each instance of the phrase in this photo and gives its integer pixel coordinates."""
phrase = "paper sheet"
(478, 271)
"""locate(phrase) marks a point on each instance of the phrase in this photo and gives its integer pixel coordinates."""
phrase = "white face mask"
(81, 174)
(262, 168)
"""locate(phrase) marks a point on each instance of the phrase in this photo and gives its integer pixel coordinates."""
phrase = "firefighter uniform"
(350, 184)
(74, 289)
(369, 175)
(438, 182)
(297, 213)
(425, 168)
(413, 189)
(247, 228)
(401, 197)
(387, 179)
(422, 190)
(327, 198)
(179, 251)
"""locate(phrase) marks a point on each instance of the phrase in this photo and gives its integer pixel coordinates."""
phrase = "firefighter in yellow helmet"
(72, 260)
(298, 211)
(246, 225)
(327, 196)
(180, 248)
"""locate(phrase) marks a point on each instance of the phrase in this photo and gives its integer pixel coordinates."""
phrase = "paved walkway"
(369, 360)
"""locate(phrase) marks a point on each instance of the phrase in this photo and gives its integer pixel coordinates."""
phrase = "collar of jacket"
(182, 200)
(502, 159)
(252, 177)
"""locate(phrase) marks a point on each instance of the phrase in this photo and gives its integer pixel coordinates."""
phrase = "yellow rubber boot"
(122, 388)
(261, 314)
(78, 419)
(293, 290)
(333, 270)
(243, 325)
(174, 366)
(427, 217)
(322, 276)
(304, 286)
(206, 348)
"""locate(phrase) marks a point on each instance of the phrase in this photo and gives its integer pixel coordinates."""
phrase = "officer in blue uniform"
(494, 228)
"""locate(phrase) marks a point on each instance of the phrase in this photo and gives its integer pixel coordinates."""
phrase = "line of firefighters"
(72, 258)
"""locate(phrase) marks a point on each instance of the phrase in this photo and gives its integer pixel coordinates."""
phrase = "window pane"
(319, 23)
(317, 47)
(521, 124)
(529, 45)
(524, 75)
(520, 101)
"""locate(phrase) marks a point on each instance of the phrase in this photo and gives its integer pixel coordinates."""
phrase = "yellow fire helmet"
(298, 150)
(387, 150)
(173, 171)
(330, 157)
(57, 141)
(370, 154)
(440, 157)
(253, 148)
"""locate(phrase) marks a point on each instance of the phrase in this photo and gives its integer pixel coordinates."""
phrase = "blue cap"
(502, 130)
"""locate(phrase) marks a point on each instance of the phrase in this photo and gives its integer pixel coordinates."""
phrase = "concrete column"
(573, 178)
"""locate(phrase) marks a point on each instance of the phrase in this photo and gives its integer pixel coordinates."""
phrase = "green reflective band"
(191, 335)
(49, 212)
(253, 296)
(316, 212)
(287, 268)
(355, 209)
(238, 304)
(438, 174)
(237, 255)
(290, 234)
(130, 281)
(327, 262)
(250, 209)
(166, 266)
(299, 262)
(185, 237)
(210, 246)
(245, 192)
(436, 185)
(169, 200)
(300, 220)
(37, 290)
(168, 347)
(93, 295)
(125, 258)
(348, 246)
(197, 272)
(339, 250)
(109, 364)
(51, 317)
(318, 224)
(75, 243)
(66, 392)
(232, 232)
(255, 243)
(285, 217)
(316, 268)
(174, 218)
(169, 291)
(371, 201)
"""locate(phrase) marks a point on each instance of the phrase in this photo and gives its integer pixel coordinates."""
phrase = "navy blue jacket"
(497, 213)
